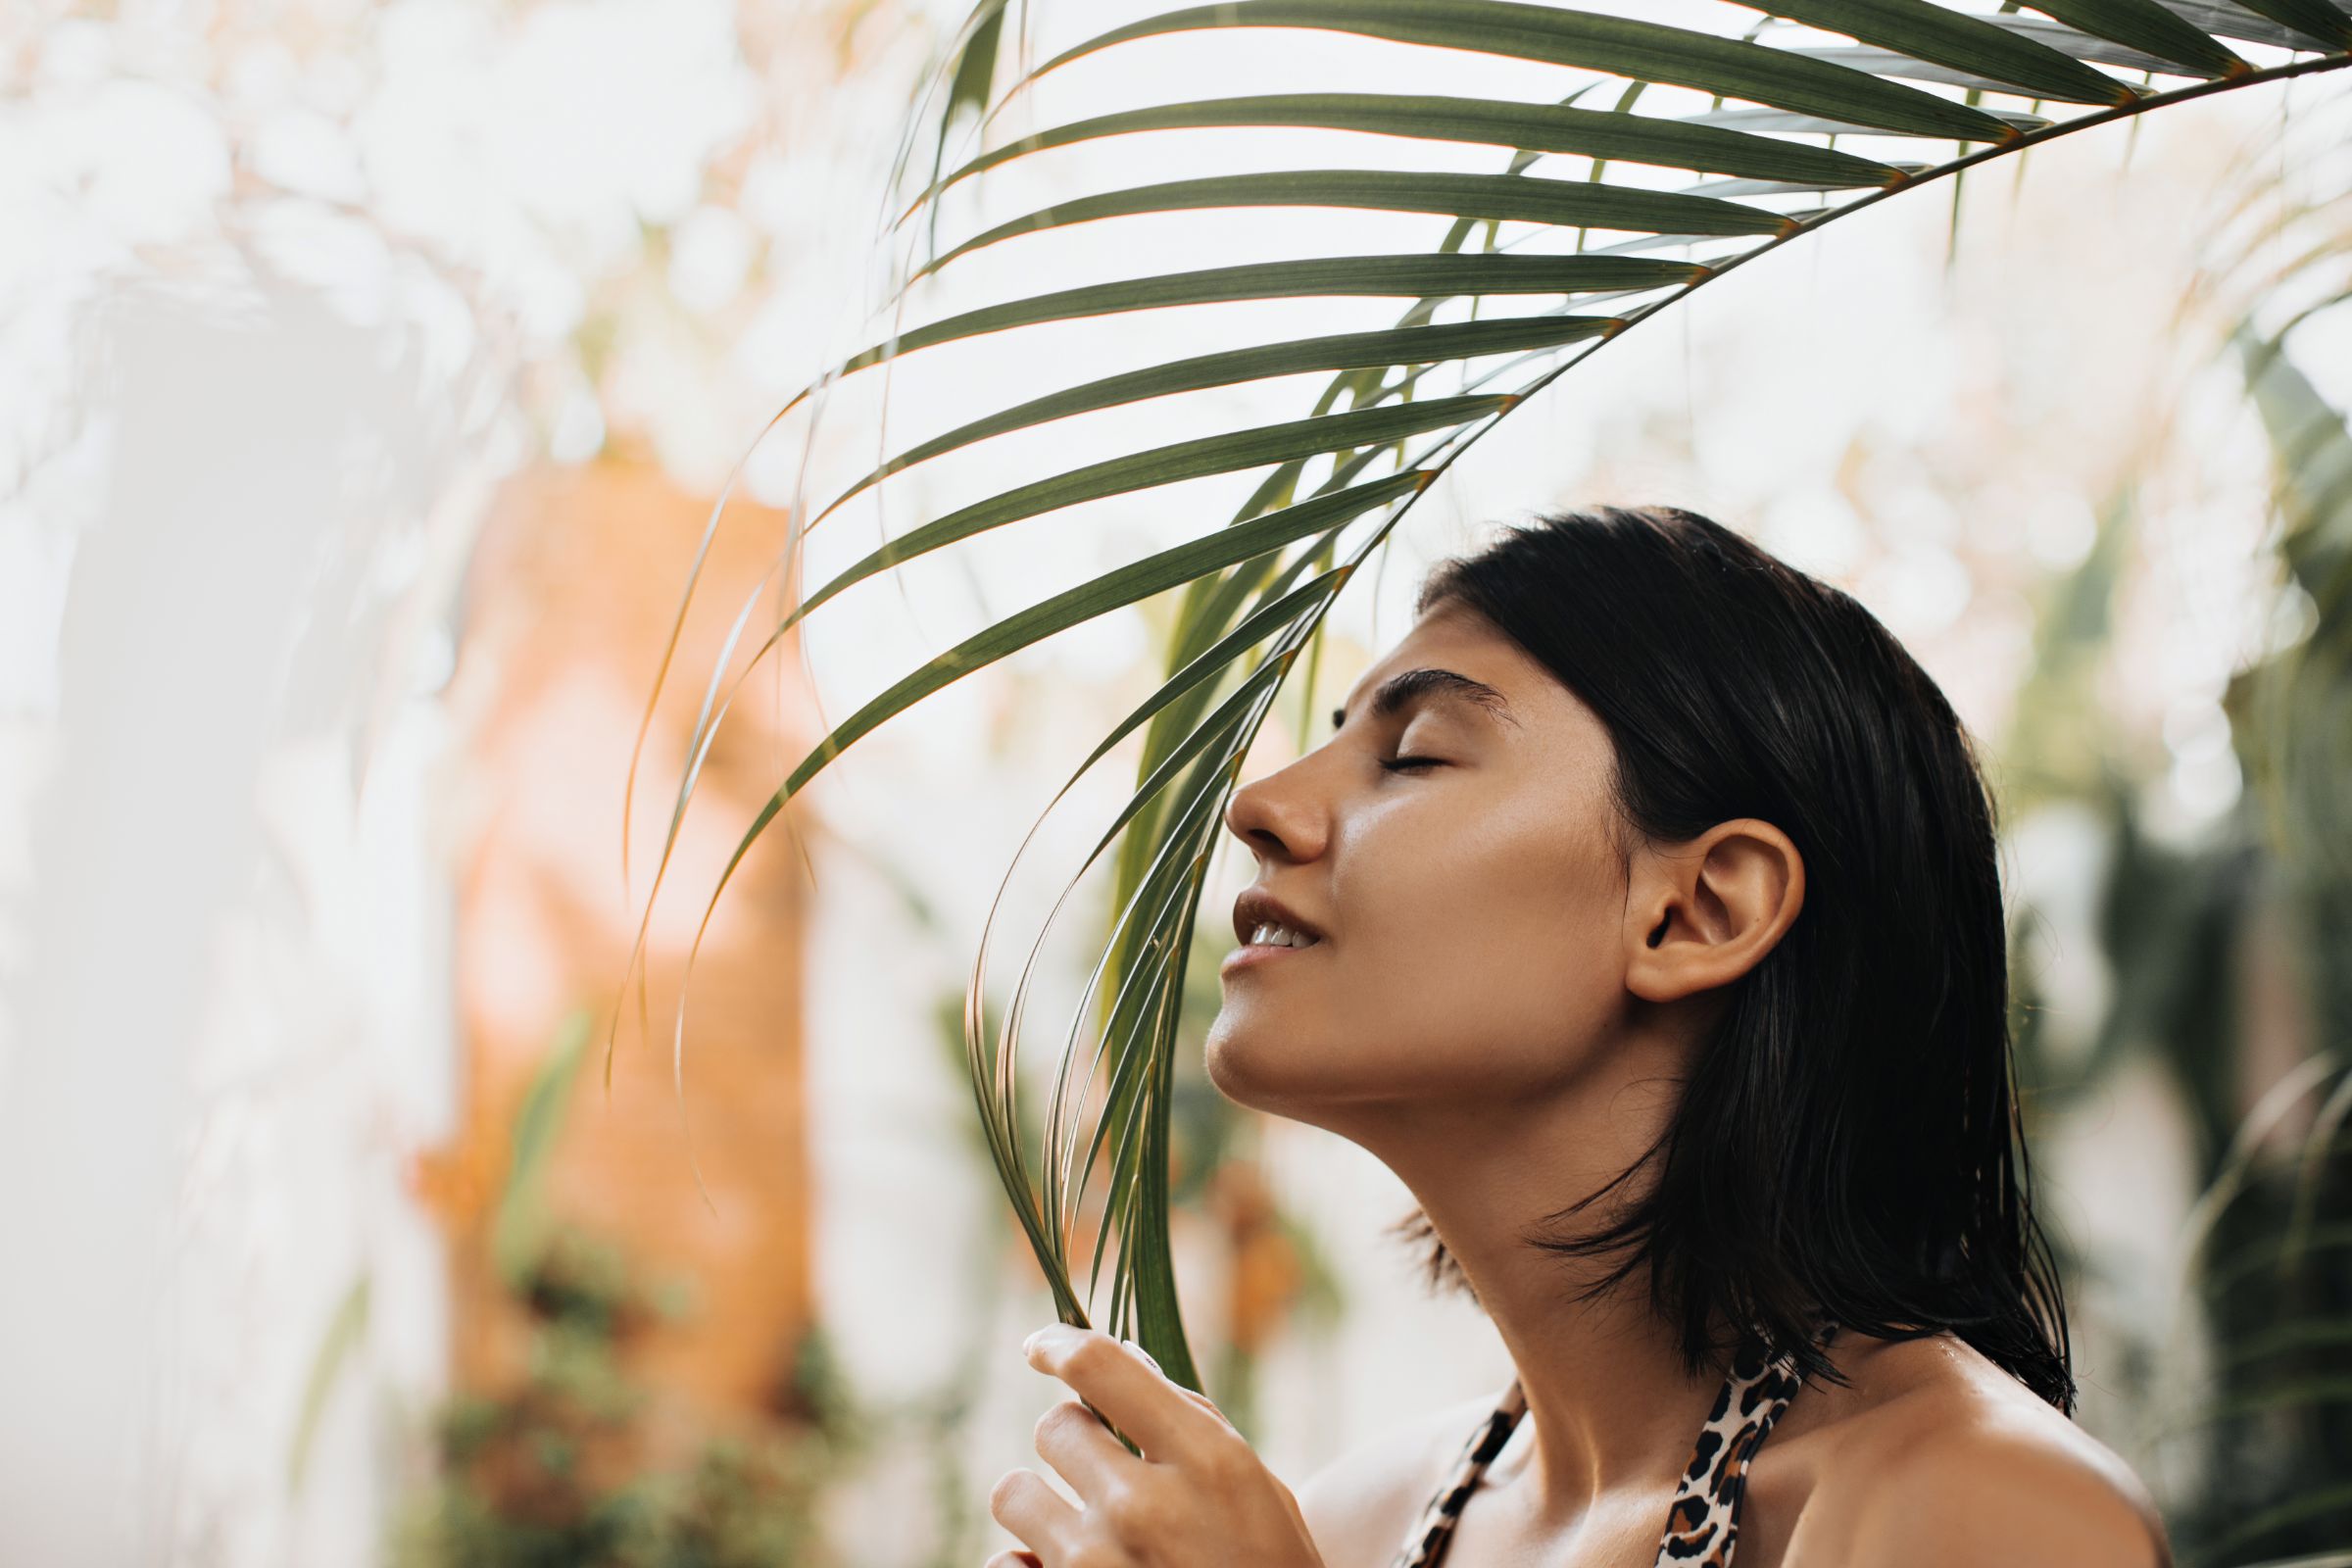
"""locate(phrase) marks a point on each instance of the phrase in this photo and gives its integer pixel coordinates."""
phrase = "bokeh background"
(367, 377)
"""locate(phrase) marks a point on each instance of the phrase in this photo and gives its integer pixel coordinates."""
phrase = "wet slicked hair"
(1847, 1144)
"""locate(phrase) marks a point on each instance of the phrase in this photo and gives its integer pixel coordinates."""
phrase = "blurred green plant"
(346, 1331)
(1253, 593)
(2271, 1237)
(2243, 931)
(552, 1472)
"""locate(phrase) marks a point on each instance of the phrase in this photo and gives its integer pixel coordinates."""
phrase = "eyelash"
(1403, 764)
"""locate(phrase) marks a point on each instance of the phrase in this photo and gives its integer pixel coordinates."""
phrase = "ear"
(1701, 914)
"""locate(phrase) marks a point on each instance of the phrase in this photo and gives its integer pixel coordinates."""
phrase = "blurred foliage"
(2228, 965)
(2274, 1233)
(551, 1473)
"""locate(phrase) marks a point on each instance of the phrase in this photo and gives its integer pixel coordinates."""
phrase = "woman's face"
(1472, 907)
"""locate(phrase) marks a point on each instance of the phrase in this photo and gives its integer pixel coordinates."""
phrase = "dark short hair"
(1847, 1144)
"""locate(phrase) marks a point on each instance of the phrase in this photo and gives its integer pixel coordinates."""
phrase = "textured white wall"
(225, 1017)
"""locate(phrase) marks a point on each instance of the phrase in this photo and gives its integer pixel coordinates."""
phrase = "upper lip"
(1256, 906)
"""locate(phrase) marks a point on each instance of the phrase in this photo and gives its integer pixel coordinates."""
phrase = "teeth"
(1271, 935)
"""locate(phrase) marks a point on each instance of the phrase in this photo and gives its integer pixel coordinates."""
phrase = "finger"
(1132, 1397)
(1209, 1405)
(1193, 1394)
(1023, 1503)
(1075, 1442)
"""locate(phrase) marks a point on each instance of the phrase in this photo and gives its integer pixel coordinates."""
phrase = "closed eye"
(1403, 764)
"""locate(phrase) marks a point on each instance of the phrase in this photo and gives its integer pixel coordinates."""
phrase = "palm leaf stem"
(1059, 1160)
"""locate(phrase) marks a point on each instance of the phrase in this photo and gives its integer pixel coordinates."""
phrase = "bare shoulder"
(1936, 1457)
(1359, 1507)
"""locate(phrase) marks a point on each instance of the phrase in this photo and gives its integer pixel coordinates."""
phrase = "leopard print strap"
(1426, 1546)
(1702, 1526)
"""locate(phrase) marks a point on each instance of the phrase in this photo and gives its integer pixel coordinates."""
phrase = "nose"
(1278, 817)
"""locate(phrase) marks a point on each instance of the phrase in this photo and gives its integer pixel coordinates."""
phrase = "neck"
(1608, 1399)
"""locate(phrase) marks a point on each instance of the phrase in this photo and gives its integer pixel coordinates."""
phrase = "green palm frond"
(1818, 109)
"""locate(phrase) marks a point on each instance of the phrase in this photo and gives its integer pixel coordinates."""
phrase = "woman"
(1642, 914)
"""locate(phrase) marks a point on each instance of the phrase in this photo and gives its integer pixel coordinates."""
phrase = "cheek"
(1497, 958)
(1478, 956)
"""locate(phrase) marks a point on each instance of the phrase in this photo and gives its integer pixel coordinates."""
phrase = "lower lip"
(1250, 958)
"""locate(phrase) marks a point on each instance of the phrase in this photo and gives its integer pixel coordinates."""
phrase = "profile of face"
(1481, 941)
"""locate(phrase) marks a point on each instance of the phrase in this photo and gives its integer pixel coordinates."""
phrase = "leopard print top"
(1702, 1524)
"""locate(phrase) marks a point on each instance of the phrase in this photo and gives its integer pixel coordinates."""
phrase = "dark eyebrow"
(1400, 689)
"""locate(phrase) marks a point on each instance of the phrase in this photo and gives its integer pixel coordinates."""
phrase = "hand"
(1198, 1496)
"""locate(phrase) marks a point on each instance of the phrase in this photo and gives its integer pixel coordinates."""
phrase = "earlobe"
(1716, 905)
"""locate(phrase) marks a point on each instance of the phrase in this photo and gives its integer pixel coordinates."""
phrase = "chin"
(1238, 1068)
(1223, 1062)
(1266, 1075)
